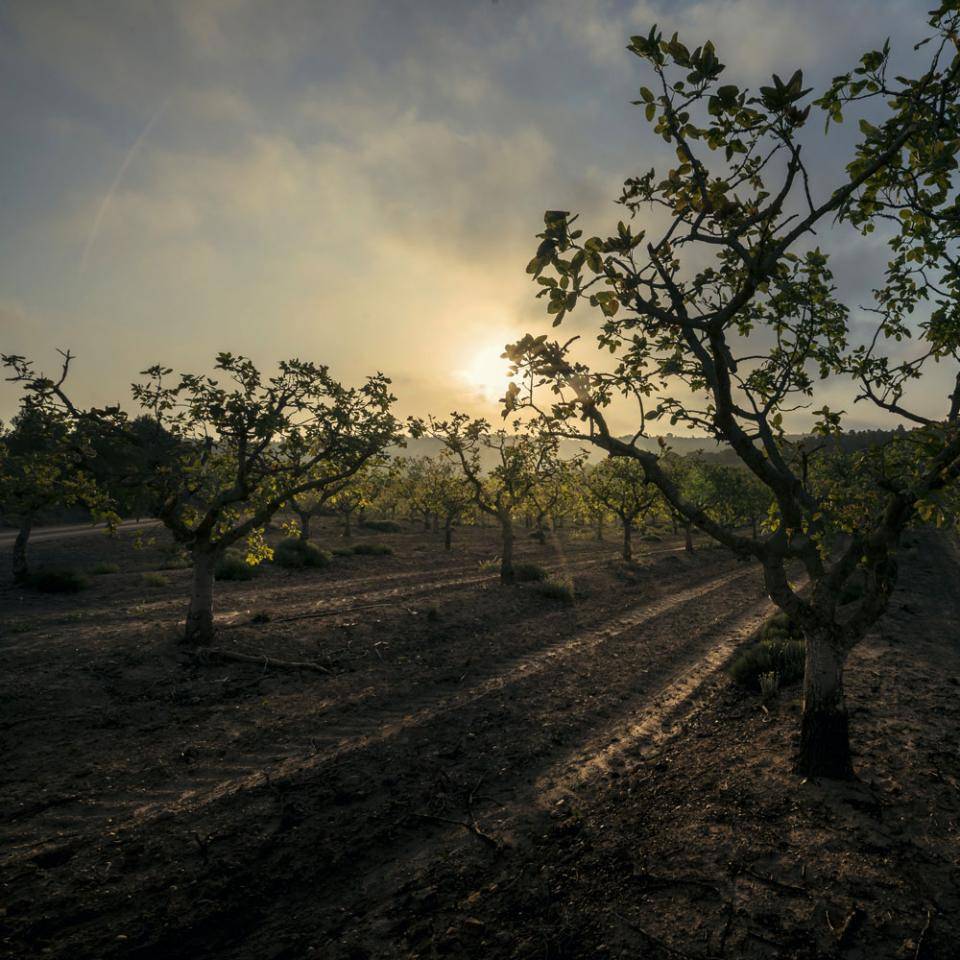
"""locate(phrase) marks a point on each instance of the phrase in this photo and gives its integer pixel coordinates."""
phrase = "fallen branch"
(472, 827)
(918, 953)
(265, 661)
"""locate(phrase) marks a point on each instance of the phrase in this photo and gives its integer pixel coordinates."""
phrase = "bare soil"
(473, 771)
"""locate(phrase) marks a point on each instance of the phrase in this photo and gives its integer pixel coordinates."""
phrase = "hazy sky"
(358, 183)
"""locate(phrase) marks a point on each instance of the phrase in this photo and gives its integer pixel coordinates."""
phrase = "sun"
(487, 373)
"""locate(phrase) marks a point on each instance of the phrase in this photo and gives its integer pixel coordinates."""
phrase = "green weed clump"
(381, 526)
(372, 550)
(295, 554)
(528, 572)
(561, 590)
(101, 568)
(233, 566)
(57, 580)
(489, 566)
(154, 579)
(342, 551)
(776, 661)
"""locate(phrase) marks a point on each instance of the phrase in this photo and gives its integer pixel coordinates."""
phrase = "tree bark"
(506, 559)
(304, 525)
(199, 627)
(20, 567)
(627, 542)
(824, 731)
(688, 538)
(447, 533)
(600, 529)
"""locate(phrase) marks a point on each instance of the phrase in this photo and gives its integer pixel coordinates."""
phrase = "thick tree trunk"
(20, 567)
(447, 533)
(824, 731)
(506, 559)
(688, 538)
(199, 628)
(627, 543)
(304, 525)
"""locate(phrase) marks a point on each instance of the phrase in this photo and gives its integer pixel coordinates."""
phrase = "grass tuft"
(101, 568)
(154, 579)
(295, 554)
(233, 566)
(557, 590)
(372, 550)
(381, 526)
(776, 661)
(528, 573)
(57, 580)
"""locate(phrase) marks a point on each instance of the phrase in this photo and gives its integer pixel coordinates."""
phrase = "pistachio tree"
(245, 447)
(621, 486)
(44, 466)
(446, 491)
(521, 460)
(720, 313)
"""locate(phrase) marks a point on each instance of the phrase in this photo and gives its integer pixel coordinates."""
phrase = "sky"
(357, 184)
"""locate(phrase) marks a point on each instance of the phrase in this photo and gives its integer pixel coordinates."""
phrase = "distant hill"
(852, 440)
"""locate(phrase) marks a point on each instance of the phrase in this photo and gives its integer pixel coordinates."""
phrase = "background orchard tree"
(44, 465)
(355, 495)
(244, 449)
(521, 461)
(550, 495)
(724, 319)
(621, 486)
(447, 491)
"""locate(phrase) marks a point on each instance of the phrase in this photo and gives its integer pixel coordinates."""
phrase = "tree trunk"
(824, 731)
(304, 525)
(199, 628)
(753, 525)
(627, 544)
(447, 533)
(688, 538)
(506, 559)
(20, 566)
(540, 534)
(347, 532)
(600, 529)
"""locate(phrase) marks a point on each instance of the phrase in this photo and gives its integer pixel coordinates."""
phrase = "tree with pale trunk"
(723, 316)
(244, 449)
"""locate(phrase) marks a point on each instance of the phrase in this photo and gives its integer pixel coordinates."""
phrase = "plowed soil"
(471, 770)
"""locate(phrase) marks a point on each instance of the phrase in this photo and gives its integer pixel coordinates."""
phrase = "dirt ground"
(474, 771)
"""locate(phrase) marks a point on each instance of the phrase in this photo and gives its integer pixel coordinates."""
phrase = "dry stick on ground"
(265, 661)
(918, 953)
(472, 827)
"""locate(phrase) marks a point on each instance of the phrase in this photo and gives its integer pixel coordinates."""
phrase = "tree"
(549, 495)
(447, 492)
(242, 451)
(359, 491)
(621, 486)
(725, 319)
(43, 466)
(520, 462)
